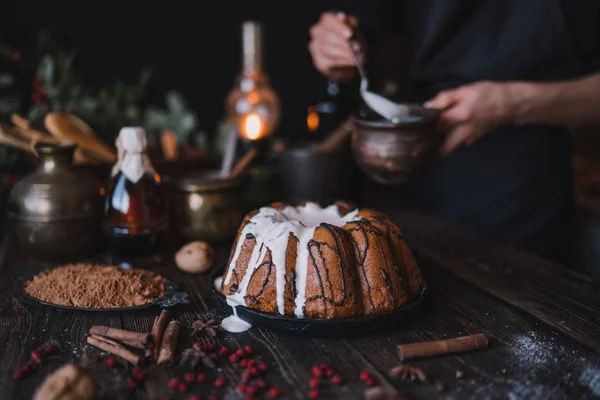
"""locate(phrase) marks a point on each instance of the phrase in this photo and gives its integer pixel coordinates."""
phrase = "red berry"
(244, 363)
(16, 56)
(233, 358)
(25, 369)
(239, 353)
(173, 383)
(324, 366)
(189, 377)
(370, 382)
(262, 367)
(201, 378)
(36, 356)
(48, 349)
(132, 383)
(18, 375)
(210, 347)
(219, 382)
(137, 373)
(260, 384)
(223, 351)
(249, 350)
(182, 387)
(329, 371)
(197, 346)
(251, 390)
(314, 394)
(97, 357)
(111, 361)
(314, 383)
(273, 393)
(337, 379)
(194, 397)
(247, 376)
(211, 397)
(242, 388)
(364, 376)
(316, 371)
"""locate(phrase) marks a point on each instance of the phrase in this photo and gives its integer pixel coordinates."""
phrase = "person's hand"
(329, 46)
(472, 111)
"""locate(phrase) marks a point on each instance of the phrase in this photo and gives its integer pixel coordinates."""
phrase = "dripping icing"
(271, 229)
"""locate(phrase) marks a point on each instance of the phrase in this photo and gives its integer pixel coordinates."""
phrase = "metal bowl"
(392, 152)
(205, 207)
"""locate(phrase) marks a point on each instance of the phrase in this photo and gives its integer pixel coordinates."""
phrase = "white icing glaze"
(272, 228)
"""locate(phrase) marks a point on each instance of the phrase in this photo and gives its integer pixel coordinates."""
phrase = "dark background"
(192, 47)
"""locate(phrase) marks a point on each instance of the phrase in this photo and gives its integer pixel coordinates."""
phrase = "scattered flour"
(590, 377)
(532, 351)
(535, 392)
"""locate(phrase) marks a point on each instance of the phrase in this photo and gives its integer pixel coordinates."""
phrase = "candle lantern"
(253, 111)
(253, 107)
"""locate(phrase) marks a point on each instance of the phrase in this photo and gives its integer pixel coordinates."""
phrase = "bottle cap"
(133, 162)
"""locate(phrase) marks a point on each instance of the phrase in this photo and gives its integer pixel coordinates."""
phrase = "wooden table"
(543, 322)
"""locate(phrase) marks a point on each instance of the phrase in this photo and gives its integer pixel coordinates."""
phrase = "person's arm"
(473, 110)
(574, 102)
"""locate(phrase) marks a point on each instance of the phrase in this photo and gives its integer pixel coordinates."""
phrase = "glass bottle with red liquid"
(135, 209)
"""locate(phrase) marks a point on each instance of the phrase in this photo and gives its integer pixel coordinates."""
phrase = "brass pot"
(57, 209)
(391, 153)
(206, 207)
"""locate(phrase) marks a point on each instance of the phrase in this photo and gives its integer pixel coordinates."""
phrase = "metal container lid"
(203, 181)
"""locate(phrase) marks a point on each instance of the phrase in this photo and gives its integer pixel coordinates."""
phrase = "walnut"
(68, 382)
(195, 257)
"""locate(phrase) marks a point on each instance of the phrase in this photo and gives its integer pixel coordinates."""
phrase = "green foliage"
(176, 117)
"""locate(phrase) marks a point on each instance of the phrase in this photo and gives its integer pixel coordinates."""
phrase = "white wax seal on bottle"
(133, 161)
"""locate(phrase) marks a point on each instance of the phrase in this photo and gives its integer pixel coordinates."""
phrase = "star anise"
(210, 327)
(408, 373)
(193, 357)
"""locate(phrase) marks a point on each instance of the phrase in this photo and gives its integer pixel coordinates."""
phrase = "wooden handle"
(335, 138)
(70, 128)
(244, 162)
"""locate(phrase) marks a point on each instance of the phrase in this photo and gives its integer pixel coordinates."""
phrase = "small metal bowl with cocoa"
(203, 206)
(392, 152)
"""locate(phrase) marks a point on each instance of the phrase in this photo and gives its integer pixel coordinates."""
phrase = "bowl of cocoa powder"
(97, 287)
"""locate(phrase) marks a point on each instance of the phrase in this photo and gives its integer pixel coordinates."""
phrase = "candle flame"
(312, 119)
(253, 127)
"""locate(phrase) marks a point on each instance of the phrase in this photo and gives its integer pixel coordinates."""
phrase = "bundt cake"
(314, 262)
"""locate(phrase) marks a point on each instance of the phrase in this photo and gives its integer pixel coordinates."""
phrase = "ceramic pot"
(391, 153)
(203, 206)
(57, 209)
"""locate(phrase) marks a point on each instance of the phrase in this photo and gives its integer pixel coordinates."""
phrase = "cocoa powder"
(96, 286)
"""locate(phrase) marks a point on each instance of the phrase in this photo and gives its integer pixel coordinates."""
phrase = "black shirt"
(515, 183)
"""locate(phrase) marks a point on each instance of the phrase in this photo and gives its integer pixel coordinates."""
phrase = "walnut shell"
(195, 257)
(68, 382)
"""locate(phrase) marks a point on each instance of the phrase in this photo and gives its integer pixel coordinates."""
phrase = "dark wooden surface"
(543, 323)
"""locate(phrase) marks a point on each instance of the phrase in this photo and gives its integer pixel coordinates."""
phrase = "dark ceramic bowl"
(391, 153)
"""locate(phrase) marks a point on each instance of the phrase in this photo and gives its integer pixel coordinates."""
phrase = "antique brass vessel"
(205, 207)
(56, 211)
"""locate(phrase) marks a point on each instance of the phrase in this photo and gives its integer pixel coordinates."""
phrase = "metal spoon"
(382, 106)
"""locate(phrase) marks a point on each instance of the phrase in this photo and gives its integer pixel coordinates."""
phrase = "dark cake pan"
(171, 298)
(323, 327)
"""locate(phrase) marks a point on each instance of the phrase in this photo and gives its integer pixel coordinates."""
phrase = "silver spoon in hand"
(381, 105)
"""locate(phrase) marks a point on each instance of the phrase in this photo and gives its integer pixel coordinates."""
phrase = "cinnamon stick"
(168, 345)
(158, 328)
(440, 347)
(335, 138)
(244, 162)
(141, 340)
(114, 348)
